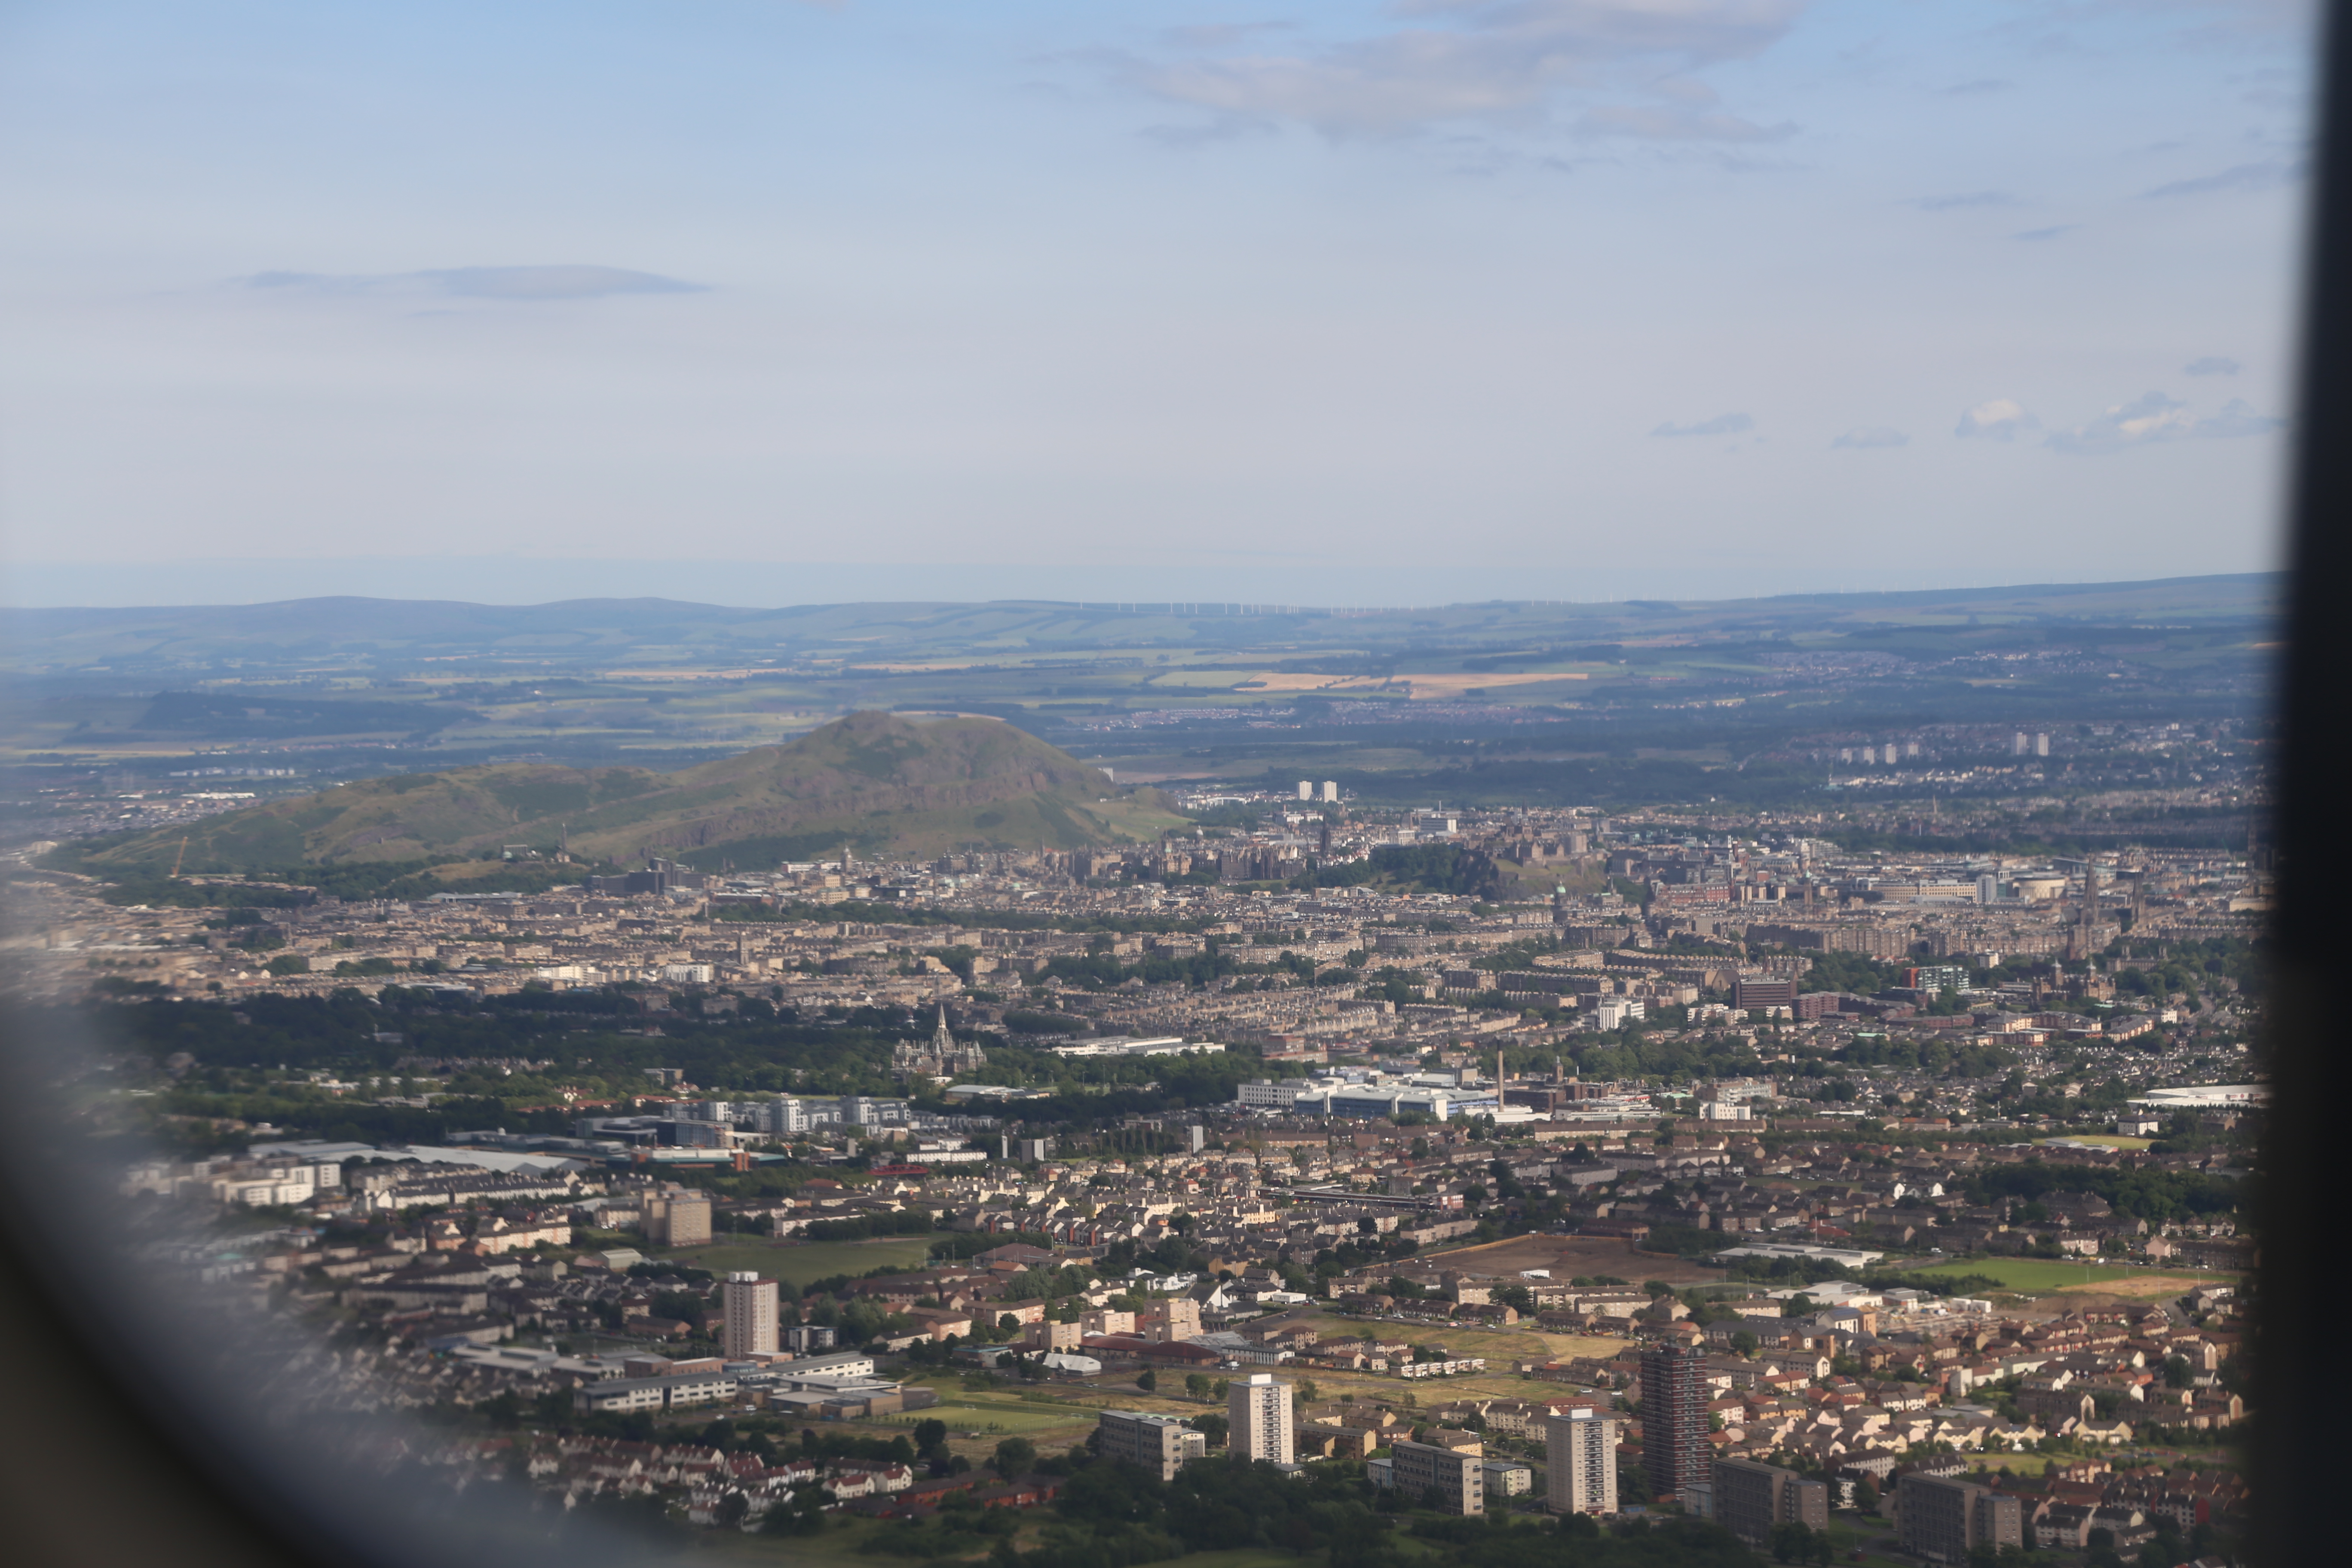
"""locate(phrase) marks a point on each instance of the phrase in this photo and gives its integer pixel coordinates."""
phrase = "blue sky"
(1330, 303)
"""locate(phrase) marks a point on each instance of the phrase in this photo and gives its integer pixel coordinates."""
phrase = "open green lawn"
(2031, 1274)
(998, 1418)
(996, 1414)
(810, 1260)
(2103, 1140)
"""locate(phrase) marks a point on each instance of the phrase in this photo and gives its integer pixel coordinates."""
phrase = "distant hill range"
(420, 637)
(880, 783)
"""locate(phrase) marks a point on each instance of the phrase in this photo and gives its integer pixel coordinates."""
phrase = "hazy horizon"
(441, 582)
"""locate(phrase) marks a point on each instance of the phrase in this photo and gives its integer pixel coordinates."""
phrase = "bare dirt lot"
(1569, 1256)
(2144, 1287)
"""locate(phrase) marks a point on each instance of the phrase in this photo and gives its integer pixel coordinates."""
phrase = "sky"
(762, 301)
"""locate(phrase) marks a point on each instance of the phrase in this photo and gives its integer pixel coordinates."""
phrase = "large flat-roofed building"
(1581, 1462)
(749, 1303)
(1457, 1475)
(1943, 1517)
(817, 1368)
(1270, 1094)
(1258, 1419)
(1160, 1444)
(623, 1395)
(1750, 1499)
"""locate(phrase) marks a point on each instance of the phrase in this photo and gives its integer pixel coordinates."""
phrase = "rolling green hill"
(881, 783)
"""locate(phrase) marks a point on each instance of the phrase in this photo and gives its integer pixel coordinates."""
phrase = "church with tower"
(942, 1055)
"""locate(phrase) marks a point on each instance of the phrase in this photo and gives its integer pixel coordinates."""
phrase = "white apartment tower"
(1331, 792)
(1306, 790)
(1581, 1462)
(749, 1303)
(1257, 1414)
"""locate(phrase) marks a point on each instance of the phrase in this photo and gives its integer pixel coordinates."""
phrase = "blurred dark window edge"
(150, 1427)
(91, 1474)
(104, 1465)
(2300, 1433)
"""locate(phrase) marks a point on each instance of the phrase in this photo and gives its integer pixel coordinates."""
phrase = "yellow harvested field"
(878, 667)
(681, 674)
(1595, 1347)
(1422, 686)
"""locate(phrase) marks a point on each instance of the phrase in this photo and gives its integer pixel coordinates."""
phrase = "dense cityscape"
(1672, 1171)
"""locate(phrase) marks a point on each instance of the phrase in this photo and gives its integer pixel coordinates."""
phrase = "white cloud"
(1721, 425)
(1462, 59)
(2212, 364)
(1865, 437)
(2153, 418)
(2051, 233)
(572, 282)
(1999, 420)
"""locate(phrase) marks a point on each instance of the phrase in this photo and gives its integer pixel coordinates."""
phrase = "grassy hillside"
(878, 783)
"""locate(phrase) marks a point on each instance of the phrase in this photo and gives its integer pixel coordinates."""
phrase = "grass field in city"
(809, 1261)
(2042, 1275)
(996, 1419)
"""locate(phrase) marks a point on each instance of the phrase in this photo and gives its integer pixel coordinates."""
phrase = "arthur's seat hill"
(883, 784)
